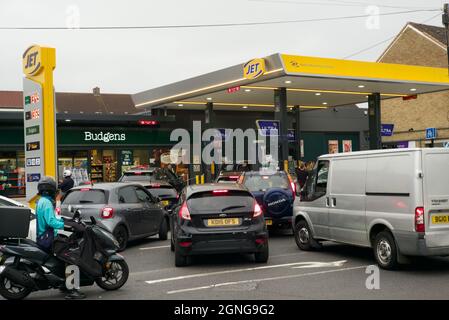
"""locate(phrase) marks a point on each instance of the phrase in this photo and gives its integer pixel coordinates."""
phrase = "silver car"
(128, 211)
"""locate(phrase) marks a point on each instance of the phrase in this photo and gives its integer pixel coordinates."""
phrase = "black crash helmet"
(47, 185)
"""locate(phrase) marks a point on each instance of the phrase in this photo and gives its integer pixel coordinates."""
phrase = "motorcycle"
(27, 268)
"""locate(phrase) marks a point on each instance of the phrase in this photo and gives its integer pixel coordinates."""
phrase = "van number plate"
(440, 218)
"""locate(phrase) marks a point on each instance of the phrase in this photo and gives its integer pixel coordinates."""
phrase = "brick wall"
(428, 110)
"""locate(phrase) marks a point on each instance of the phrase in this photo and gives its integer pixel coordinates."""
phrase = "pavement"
(334, 272)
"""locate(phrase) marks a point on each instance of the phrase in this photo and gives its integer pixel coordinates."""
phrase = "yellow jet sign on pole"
(39, 117)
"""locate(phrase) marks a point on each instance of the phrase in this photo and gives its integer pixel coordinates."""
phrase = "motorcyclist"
(67, 183)
(47, 223)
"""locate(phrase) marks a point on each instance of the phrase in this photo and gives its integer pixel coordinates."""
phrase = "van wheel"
(303, 236)
(385, 251)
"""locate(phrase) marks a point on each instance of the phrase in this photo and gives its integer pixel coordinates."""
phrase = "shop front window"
(12, 173)
(75, 161)
(103, 165)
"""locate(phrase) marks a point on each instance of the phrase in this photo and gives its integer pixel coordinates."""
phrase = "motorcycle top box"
(14, 222)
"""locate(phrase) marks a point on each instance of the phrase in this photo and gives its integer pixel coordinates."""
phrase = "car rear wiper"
(86, 201)
(231, 207)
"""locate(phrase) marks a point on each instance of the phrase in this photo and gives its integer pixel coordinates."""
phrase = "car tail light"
(185, 244)
(292, 186)
(419, 220)
(257, 210)
(219, 191)
(58, 211)
(107, 212)
(184, 212)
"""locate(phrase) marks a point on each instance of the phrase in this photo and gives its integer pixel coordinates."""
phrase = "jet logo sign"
(31, 60)
(254, 69)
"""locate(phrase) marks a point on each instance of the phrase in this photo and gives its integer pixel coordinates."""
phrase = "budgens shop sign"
(105, 137)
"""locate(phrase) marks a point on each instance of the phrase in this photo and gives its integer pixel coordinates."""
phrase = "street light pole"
(446, 25)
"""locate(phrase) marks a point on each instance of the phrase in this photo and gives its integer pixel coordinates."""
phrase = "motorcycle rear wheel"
(115, 276)
(12, 291)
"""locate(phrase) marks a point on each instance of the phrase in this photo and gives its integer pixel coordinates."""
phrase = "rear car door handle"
(327, 202)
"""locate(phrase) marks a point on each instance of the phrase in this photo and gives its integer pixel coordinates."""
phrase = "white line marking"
(217, 285)
(323, 264)
(151, 248)
(198, 275)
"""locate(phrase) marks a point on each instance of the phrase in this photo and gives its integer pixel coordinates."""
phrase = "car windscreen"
(265, 182)
(163, 192)
(85, 197)
(220, 201)
(136, 176)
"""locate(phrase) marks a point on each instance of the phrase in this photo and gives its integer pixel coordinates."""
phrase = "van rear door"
(436, 196)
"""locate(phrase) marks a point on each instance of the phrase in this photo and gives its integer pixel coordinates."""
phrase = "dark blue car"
(275, 193)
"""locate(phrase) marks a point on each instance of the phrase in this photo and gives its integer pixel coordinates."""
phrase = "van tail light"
(107, 213)
(419, 220)
(257, 210)
(58, 211)
(184, 212)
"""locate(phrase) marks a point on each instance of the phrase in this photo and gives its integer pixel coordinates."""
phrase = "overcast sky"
(129, 61)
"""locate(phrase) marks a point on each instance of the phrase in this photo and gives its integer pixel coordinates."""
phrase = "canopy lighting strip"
(201, 89)
(243, 104)
(326, 91)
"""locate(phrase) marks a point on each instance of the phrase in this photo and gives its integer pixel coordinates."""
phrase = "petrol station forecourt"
(281, 83)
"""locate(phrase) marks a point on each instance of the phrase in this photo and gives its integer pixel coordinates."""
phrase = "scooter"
(27, 268)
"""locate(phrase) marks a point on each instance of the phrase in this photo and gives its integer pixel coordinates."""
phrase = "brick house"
(423, 45)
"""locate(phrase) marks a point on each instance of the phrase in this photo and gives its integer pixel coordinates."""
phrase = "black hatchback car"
(128, 211)
(164, 191)
(217, 218)
(153, 174)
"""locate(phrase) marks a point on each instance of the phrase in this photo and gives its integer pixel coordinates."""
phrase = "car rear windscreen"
(264, 182)
(136, 176)
(220, 202)
(163, 192)
(85, 197)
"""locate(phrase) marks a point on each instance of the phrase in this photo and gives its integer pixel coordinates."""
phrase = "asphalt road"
(335, 272)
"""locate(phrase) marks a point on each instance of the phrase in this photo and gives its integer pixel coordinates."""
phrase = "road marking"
(151, 248)
(323, 264)
(198, 275)
(217, 285)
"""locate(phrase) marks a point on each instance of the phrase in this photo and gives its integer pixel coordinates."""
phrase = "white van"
(395, 201)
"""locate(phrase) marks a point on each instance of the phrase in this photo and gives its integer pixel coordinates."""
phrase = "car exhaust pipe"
(19, 277)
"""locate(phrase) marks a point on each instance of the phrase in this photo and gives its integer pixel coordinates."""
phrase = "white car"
(4, 201)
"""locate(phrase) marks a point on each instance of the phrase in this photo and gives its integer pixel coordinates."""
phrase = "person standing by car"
(67, 183)
(47, 224)
(301, 174)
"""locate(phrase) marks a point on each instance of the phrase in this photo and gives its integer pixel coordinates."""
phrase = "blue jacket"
(45, 216)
